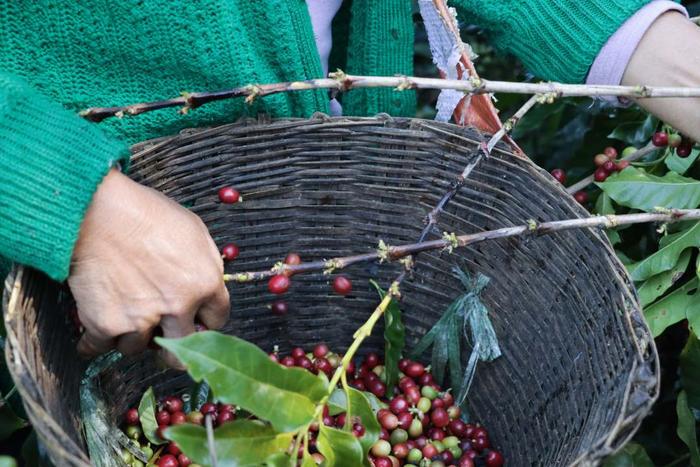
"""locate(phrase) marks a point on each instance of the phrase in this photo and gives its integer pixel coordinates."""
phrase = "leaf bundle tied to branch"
(466, 317)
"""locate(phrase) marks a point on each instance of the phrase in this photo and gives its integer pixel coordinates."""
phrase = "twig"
(460, 241)
(638, 154)
(512, 121)
(342, 82)
(210, 440)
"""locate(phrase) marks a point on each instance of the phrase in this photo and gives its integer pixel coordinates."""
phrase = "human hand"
(143, 261)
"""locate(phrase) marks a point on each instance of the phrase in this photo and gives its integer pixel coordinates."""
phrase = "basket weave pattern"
(579, 368)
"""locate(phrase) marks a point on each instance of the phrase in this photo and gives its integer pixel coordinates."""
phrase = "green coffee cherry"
(450, 441)
(133, 432)
(398, 436)
(429, 392)
(414, 455)
(456, 452)
(439, 445)
(416, 428)
(424, 404)
(381, 448)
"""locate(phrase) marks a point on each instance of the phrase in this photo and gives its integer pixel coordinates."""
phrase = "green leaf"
(604, 205)
(394, 339)
(668, 255)
(656, 285)
(635, 133)
(147, 416)
(673, 307)
(681, 164)
(360, 406)
(340, 448)
(279, 459)
(686, 428)
(237, 443)
(7, 461)
(240, 373)
(635, 188)
(690, 370)
(632, 455)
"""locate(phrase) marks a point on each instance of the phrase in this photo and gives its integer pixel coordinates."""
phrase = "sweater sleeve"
(557, 40)
(51, 162)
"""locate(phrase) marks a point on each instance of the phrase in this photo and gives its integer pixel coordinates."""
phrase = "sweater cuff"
(611, 62)
(559, 40)
(51, 162)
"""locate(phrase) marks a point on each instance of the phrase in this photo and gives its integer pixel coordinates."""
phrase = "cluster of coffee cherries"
(420, 423)
(681, 144)
(279, 283)
(171, 412)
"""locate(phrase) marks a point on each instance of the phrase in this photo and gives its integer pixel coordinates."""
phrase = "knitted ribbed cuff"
(558, 40)
(51, 162)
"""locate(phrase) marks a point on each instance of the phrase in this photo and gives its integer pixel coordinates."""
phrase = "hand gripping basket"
(579, 369)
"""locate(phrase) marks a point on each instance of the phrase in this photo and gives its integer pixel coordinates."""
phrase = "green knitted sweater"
(58, 57)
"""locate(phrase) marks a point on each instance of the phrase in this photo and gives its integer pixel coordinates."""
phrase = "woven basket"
(579, 369)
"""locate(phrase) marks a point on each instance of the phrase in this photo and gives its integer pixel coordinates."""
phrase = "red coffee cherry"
(600, 174)
(131, 417)
(278, 284)
(229, 195)
(660, 139)
(611, 152)
(581, 197)
(168, 460)
(559, 175)
(342, 285)
(279, 308)
(230, 252)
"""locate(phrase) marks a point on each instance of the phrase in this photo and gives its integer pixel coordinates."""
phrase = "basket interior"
(568, 324)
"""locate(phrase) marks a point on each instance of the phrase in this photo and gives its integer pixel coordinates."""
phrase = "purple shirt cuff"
(612, 60)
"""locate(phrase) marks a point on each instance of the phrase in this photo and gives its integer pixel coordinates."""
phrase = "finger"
(175, 326)
(214, 311)
(92, 345)
(133, 343)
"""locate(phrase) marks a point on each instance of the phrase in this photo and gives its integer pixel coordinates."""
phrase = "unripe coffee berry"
(600, 159)
(675, 140)
(381, 448)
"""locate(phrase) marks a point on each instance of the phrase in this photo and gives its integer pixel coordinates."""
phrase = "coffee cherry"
(458, 428)
(559, 175)
(609, 166)
(359, 385)
(403, 363)
(224, 416)
(278, 284)
(416, 428)
(342, 285)
(622, 165)
(438, 404)
(388, 420)
(424, 404)
(425, 379)
(398, 404)
(173, 449)
(447, 456)
(287, 361)
(372, 360)
(321, 350)
(479, 432)
(405, 420)
(611, 152)
(297, 352)
(684, 150)
(660, 139)
(383, 434)
(428, 392)
(173, 404)
(600, 174)
(414, 455)
(321, 364)
(304, 363)
(430, 451)
(178, 418)
(436, 434)
(195, 417)
(183, 460)
(279, 308)
(674, 140)
(412, 395)
(398, 436)
(581, 197)
(133, 432)
(439, 417)
(381, 448)
(400, 450)
(229, 195)
(466, 461)
(378, 389)
(207, 408)
(600, 159)
(415, 370)
(168, 460)
(358, 429)
(162, 417)
(131, 417)
(230, 252)
(454, 412)
(494, 459)
(480, 444)
(448, 399)
(406, 382)
(382, 462)
(292, 259)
